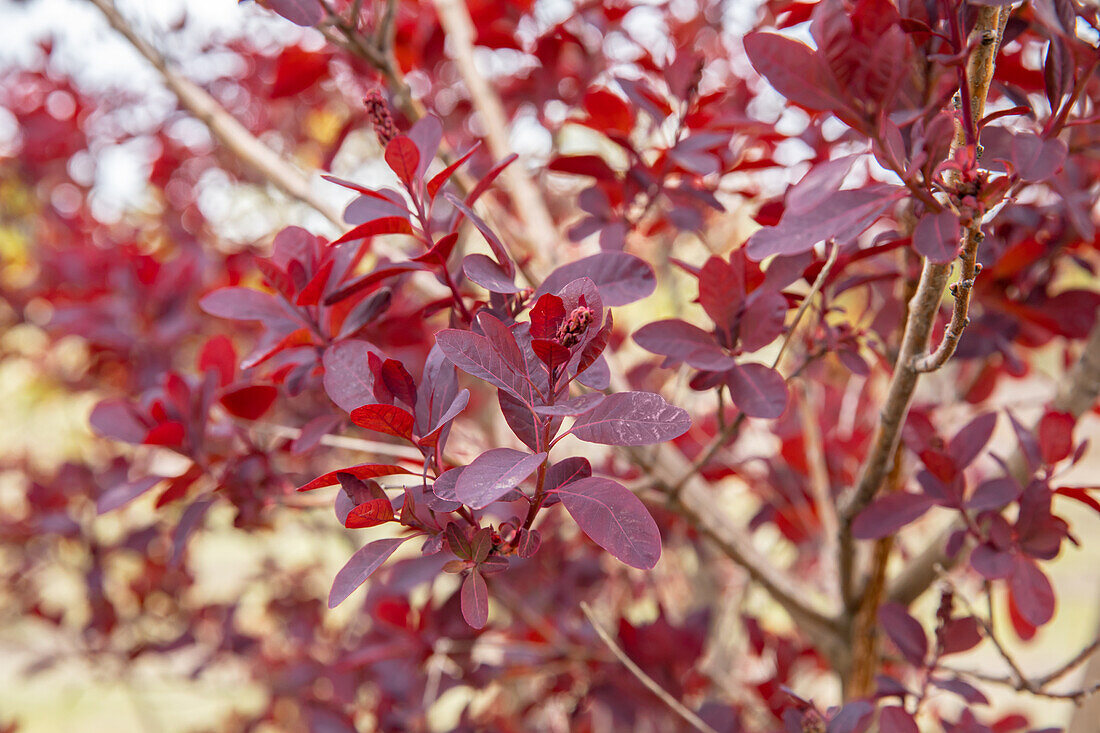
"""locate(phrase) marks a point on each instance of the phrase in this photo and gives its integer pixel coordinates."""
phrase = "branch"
(222, 125)
(1077, 394)
(540, 230)
(922, 313)
(675, 705)
(1018, 680)
(959, 316)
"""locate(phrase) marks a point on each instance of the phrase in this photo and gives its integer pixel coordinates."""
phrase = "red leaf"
(439, 179)
(169, 434)
(440, 251)
(377, 227)
(722, 291)
(312, 292)
(403, 158)
(370, 514)
(608, 111)
(363, 471)
(550, 353)
(583, 165)
(249, 402)
(1080, 494)
(1056, 436)
(297, 69)
(547, 315)
(219, 355)
(388, 419)
(399, 381)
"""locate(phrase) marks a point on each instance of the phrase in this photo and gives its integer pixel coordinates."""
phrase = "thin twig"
(675, 705)
(960, 318)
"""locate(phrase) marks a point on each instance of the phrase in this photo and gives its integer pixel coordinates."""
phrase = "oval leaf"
(614, 519)
(632, 418)
(364, 562)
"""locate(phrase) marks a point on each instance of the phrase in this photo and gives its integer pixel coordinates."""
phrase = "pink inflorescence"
(378, 112)
(574, 326)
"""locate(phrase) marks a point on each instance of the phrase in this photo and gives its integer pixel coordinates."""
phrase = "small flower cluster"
(378, 112)
(573, 327)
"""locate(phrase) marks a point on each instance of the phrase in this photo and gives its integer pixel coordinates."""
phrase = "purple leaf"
(820, 182)
(443, 489)
(763, 321)
(614, 519)
(426, 134)
(476, 356)
(1031, 591)
(682, 341)
(937, 236)
(757, 390)
(959, 635)
(905, 631)
(620, 277)
(889, 513)
(243, 304)
(963, 689)
(348, 379)
(991, 563)
(792, 68)
(968, 442)
(493, 474)
(503, 341)
(364, 562)
(855, 717)
(488, 274)
(843, 216)
(897, 720)
(475, 600)
(1035, 158)
(499, 250)
(994, 493)
(632, 418)
(457, 406)
(124, 493)
(117, 419)
(300, 12)
(370, 208)
(576, 406)
(565, 472)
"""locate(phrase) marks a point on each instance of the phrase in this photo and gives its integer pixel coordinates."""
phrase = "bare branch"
(222, 125)
(539, 227)
(675, 705)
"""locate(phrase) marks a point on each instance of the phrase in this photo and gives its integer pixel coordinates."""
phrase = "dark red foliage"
(489, 381)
